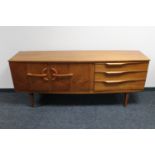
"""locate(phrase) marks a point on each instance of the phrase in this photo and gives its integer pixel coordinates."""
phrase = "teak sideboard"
(74, 72)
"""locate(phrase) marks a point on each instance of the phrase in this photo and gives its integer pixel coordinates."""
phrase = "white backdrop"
(13, 39)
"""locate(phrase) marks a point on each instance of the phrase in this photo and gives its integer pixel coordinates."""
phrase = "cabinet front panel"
(71, 77)
(53, 77)
(83, 78)
(59, 82)
(119, 85)
(121, 66)
(38, 76)
(120, 75)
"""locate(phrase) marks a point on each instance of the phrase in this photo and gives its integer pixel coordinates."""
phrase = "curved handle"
(55, 74)
(116, 64)
(118, 72)
(114, 73)
(36, 75)
(115, 81)
(42, 75)
(63, 75)
(118, 81)
(45, 70)
(54, 71)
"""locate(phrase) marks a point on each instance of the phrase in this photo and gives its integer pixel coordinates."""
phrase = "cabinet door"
(53, 77)
(60, 77)
(38, 76)
(71, 77)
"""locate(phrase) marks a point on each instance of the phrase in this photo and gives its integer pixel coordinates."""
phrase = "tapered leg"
(32, 99)
(126, 98)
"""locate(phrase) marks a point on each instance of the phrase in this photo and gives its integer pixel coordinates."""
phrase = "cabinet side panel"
(20, 80)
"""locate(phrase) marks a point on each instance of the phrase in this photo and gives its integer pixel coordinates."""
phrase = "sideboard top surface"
(79, 56)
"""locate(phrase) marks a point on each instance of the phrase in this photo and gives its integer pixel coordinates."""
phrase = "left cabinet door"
(38, 76)
(30, 77)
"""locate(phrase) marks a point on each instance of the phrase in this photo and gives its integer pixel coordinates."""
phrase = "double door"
(60, 77)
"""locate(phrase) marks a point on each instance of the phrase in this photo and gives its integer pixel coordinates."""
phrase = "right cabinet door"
(71, 77)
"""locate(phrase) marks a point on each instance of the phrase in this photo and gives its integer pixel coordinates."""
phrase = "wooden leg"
(32, 99)
(126, 98)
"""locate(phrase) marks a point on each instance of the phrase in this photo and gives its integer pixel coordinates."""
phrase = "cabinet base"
(32, 99)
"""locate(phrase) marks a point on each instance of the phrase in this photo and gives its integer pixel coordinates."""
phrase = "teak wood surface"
(79, 72)
(79, 56)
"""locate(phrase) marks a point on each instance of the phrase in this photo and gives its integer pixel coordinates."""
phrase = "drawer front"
(119, 85)
(120, 75)
(121, 66)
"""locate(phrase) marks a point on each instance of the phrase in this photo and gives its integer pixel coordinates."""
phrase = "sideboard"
(79, 72)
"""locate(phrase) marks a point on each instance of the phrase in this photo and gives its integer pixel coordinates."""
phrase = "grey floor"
(77, 111)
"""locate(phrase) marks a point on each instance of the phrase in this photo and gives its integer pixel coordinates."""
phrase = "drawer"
(118, 85)
(120, 75)
(121, 66)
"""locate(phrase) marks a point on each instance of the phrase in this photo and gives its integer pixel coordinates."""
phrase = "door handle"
(42, 75)
(55, 74)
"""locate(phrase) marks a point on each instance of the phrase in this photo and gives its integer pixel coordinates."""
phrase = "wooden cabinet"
(79, 72)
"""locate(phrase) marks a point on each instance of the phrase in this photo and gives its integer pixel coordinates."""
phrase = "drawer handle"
(116, 64)
(42, 75)
(119, 81)
(114, 73)
(119, 72)
(115, 82)
(55, 74)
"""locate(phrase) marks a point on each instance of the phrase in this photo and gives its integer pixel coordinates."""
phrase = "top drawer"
(121, 66)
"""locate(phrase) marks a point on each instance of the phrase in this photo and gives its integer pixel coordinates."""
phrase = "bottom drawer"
(119, 85)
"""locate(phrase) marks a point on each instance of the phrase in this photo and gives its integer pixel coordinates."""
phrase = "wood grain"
(128, 75)
(128, 85)
(79, 56)
(19, 76)
(37, 83)
(80, 81)
(132, 66)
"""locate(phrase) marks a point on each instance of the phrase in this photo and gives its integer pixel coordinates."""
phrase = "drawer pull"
(118, 81)
(114, 73)
(55, 74)
(119, 72)
(116, 64)
(42, 75)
